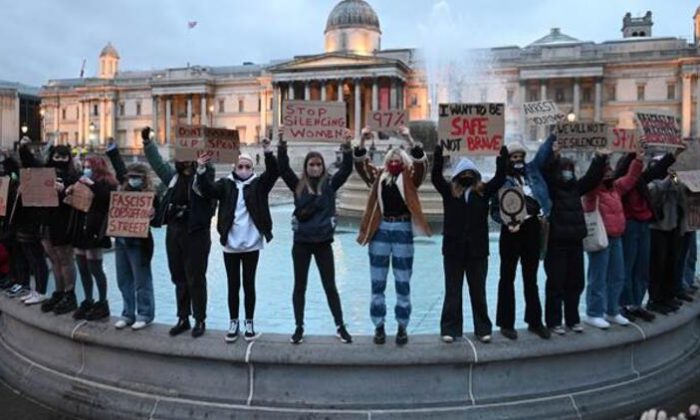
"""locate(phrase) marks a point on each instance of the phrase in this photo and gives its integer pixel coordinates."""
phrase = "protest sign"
(191, 141)
(512, 205)
(389, 120)
(542, 113)
(660, 129)
(38, 187)
(314, 121)
(471, 129)
(582, 136)
(4, 191)
(691, 179)
(80, 197)
(129, 214)
(693, 211)
(622, 140)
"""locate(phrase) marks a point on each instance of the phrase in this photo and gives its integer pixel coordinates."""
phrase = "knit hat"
(516, 147)
(465, 164)
(246, 156)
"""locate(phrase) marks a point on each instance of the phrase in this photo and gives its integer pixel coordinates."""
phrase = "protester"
(88, 237)
(314, 224)
(522, 241)
(563, 262)
(187, 238)
(685, 267)
(243, 221)
(606, 276)
(465, 243)
(391, 219)
(133, 255)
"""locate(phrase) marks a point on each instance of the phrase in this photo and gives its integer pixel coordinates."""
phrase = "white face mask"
(243, 173)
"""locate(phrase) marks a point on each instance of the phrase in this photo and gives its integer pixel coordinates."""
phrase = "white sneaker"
(233, 330)
(139, 325)
(121, 324)
(577, 328)
(618, 319)
(36, 298)
(448, 339)
(597, 322)
(484, 338)
(27, 296)
(558, 330)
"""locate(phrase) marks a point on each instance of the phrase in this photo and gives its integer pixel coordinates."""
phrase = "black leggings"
(323, 254)
(233, 272)
(90, 268)
(30, 260)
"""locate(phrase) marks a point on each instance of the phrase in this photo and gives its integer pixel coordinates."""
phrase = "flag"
(191, 24)
(82, 69)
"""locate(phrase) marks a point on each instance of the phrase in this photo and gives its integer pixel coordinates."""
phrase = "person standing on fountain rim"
(313, 222)
(244, 220)
(563, 261)
(522, 241)
(465, 243)
(187, 238)
(391, 219)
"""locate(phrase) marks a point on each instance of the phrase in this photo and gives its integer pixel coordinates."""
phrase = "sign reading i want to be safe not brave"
(471, 129)
(316, 121)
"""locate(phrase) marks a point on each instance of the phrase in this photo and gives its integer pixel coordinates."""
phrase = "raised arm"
(626, 183)
(115, 157)
(593, 176)
(285, 171)
(27, 158)
(544, 152)
(420, 162)
(438, 180)
(164, 171)
(495, 184)
(269, 177)
(660, 170)
(345, 170)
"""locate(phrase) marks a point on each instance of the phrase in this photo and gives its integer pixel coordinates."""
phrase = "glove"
(438, 150)
(145, 134)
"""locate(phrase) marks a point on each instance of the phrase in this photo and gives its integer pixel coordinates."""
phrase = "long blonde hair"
(304, 181)
(387, 177)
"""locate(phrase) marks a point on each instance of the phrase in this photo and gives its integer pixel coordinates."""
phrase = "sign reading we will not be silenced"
(314, 121)
(129, 214)
(471, 129)
(191, 141)
(542, 113)
(582, 136)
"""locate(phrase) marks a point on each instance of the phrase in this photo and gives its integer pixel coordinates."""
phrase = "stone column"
(103, 120)
(189, 110)
(307, 90)
(154, 114)
(323, 90)
(358, 109)
(263, 113)
(577, 98)
(375, 94)
(290, 95)
(686, 105)
(598, 114)
(86, 122)
(203, 110)
(57, 117)
(113, 122)
(81, 118)
(340, 91)
(392, 95)
(522, 95)
(697, 106)
(275, 109)
(168, 118)
(542, 131)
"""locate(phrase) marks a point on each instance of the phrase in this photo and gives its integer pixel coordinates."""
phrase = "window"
(77, 112)
(95, 111)
(138, 108)
(414, 100)
(221, 106)
(75, 137)
(671, 91)
(640, 92)
(484, 93)
(532, 95)
(587, 96)
(63, 113)
(509, 95)
(272, 104)
(241, 105)
(121, 109)
(612, 93)
(559, 94)
(259, 104)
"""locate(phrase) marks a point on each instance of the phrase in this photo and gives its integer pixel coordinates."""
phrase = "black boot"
(52, 302)
(379, 335)
(401, 336)
(99, 311)
(183, 324)
(198, 329)
(83, 309)
(67, 304)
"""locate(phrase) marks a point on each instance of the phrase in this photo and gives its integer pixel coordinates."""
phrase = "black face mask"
(608, 182)
(181, 167)
(517, 168)
(465, 181)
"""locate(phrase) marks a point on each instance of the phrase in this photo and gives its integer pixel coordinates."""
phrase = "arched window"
(642, 33)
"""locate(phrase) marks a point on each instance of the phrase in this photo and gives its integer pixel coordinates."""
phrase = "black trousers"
(29, 259)
(665, 248)
(188, 253)
(323, 254)
(233, 262)
(565, 282)
(455, 270)
(523, 246)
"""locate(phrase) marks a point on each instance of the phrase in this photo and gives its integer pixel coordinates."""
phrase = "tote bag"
(597, 238)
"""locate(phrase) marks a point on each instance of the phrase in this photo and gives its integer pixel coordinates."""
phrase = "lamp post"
(92, 137)
(211, 115)
(42, 114)
(571, 117)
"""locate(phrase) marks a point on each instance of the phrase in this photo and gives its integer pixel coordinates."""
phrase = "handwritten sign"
(471, 129)
(691, 179)
(191, 141)
(314, 121)
(388, 120)
(129, 214)
(512, 206)
(4, 191)
(622, 140)
(542, 113)
(582, 136)
(80, 198)
(38, 187)
(660, 129)
(693, 211)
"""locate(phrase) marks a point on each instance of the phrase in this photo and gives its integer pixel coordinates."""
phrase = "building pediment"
(334, 60)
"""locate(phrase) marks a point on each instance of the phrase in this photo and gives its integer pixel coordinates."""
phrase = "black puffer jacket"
(566, 220)
(87, 230)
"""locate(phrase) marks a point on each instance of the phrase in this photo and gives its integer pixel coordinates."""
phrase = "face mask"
(395, 168)
(608, 182)
(243, 172)
(466, 181)
(567, 175)
(87, 172)
(136, 183)
(183, 168)
(517, 166)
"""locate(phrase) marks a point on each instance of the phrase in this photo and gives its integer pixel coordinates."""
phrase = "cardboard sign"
(512, 205)
(38, 187)
(471, 129)
(191, 141)
(622, 140)
(691, 179)
(388, 120)
(314, 121)
(129, 214)
(660, 129)
(693, 211)
(4, 191)
(80, 198)
(582, 136)
(542, 113)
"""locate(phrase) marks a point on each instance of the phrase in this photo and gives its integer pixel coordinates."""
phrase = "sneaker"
(298, 336)
(139, 325)
(6, 283)
(14, 291)
(26, 294)
(344, 335)
(379, 335)
(52, 302)
(558, 330)
(628, 312)
(36, 298)
(83, 309)
(67, 304)
(401, 336)
(100, 310)
(540, 330)
(484, 338)
(597, 322)
(249, 334)
(509, 333)
(618, 319)
(121, 324)
(232, 334)
(577, 328)
(644, 315)
(447, 338)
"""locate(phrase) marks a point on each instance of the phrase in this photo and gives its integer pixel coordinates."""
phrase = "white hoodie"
(243, 236)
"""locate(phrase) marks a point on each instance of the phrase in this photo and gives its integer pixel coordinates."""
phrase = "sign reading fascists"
(542, 113)
(314, 121)
(129, 214)
(660, 129)
(191, 141)
(471, 129)
(582, 136)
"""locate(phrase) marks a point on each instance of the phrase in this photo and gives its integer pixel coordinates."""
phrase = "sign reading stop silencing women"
(316, 121)
(471, 129)
(129, 214)
(192, 141)
(582, 136)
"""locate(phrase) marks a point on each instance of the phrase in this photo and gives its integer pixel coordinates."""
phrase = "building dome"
(109, 51)
(352, 14)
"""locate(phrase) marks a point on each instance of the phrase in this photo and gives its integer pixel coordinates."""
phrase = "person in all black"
(244, 220)
(314, 224)
(465, 244)
(187, 238)
(563, 262)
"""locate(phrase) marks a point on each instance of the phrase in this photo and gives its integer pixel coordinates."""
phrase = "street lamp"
(211, 115)
(24, 128)
(92, 137)
(42, 114)
(571, 117)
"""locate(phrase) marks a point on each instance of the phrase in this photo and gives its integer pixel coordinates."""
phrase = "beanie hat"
(246, 156)
(516, 147)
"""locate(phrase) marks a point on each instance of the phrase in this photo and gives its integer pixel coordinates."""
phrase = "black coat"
(87, 230)
(255, 195)
(465, 224)
(566, 220)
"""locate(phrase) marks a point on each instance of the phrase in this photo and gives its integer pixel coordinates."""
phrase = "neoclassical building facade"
(597, 81)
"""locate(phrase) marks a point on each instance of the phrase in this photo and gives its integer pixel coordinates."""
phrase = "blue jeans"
(637, 246)
(685, 266)
(606, 278)
(691, 260)
(135, 281)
